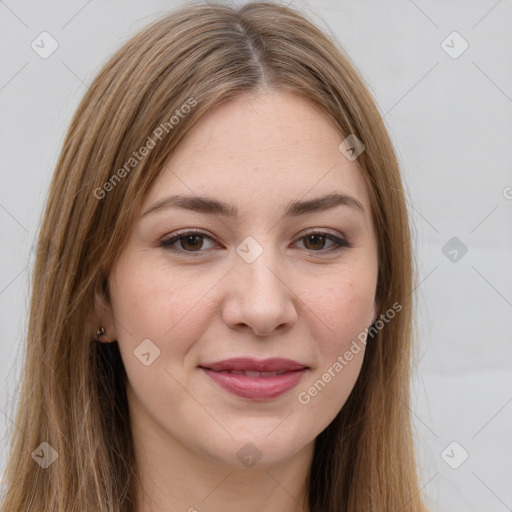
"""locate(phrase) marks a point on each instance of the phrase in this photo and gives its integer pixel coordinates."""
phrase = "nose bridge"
(256, 265)
(260, 297)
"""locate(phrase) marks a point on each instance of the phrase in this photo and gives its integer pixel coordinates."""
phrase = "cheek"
(341, 313)
(151, 302)
(343, 309)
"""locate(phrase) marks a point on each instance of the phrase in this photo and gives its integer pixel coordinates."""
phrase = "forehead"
(263, 147)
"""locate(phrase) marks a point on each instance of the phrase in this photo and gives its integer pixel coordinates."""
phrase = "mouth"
(256, 380)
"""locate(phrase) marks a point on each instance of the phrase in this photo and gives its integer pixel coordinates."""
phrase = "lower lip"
(256, 388)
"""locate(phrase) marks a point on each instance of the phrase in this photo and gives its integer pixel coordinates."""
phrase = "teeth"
(249, 373)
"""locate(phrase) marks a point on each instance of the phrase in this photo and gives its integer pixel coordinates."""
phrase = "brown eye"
(316, 241)
(189, 242)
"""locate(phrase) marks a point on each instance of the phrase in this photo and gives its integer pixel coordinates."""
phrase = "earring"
(100, 335)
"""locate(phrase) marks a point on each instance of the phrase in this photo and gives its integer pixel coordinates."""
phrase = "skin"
(299, 299)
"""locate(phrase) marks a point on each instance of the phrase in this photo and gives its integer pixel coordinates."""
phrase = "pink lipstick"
(256, 379)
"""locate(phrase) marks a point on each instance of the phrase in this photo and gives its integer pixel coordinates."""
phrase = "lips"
(256, 380)
(249, 373)
(244, 364)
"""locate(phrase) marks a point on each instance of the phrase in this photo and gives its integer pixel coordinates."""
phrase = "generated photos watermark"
(304, 397)
(145, 149)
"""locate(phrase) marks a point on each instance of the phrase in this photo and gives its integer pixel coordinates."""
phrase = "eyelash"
(169, 242)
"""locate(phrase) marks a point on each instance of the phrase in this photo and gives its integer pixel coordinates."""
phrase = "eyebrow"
(293, 209)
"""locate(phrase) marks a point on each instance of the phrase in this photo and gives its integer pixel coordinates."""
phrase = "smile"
(256, 380)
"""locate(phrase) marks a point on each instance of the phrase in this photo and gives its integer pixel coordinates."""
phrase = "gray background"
(451, 121)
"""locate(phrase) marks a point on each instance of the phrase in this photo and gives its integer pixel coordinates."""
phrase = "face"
(265, 268)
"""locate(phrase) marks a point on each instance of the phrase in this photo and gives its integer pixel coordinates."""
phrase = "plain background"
(451, 121)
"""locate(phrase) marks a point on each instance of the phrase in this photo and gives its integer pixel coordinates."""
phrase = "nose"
(260, 298)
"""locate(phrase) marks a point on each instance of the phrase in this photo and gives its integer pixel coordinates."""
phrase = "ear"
(103, 316)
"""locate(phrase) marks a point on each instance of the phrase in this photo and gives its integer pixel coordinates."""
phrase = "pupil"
(315, 239)
(187, 239)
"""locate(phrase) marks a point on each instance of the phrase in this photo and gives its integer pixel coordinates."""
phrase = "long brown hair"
(73, 393)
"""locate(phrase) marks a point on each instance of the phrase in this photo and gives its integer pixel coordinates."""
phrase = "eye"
(189, 241)
(193, 241)
(315, 241)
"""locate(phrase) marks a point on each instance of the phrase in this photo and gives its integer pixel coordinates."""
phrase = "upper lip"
(277, 364)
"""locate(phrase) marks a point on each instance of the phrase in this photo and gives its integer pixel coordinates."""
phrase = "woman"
(221, 309)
